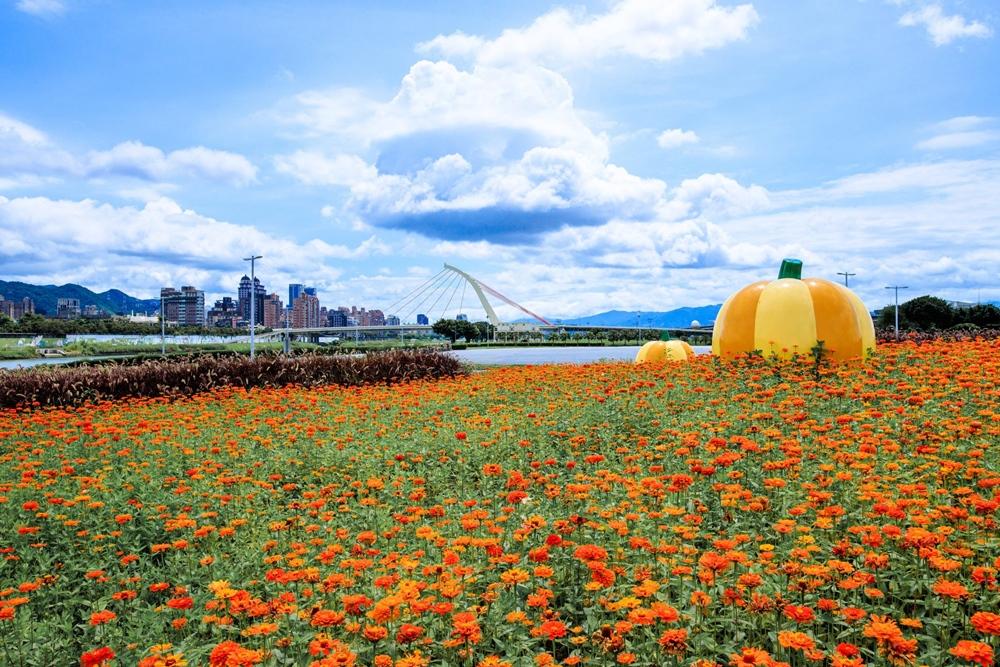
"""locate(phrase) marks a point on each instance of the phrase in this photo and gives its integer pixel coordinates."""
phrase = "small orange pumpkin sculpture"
(664, 350)
(789, 316)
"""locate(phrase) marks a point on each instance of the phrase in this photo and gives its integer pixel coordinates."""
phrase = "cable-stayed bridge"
(448, 295)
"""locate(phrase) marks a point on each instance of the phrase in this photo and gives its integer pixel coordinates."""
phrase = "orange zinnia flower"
(986, 622)
(977, 652)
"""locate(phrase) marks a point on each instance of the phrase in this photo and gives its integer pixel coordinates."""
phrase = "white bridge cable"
(441, 294)
(399, 303)
(428, 293)
(450, 298)
(416, 301)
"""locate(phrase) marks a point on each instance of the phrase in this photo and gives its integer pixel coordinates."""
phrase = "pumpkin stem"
(664, 335)
(790, 268)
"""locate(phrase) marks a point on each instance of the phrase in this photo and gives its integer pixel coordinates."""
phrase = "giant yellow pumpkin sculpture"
(789, 315)
(664, 350)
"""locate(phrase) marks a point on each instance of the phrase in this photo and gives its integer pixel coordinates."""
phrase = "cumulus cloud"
(135, 159)
(497, 154)
(647, 29)
(676, 138)
(43, 8)
(316, 168)
(29, 157)
(101, 245)
(438, 107)
(943, 28)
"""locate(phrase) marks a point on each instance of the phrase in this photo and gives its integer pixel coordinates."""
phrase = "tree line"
(928, 313)
(53, 328)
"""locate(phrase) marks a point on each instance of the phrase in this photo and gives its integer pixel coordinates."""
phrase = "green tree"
(983, 315)
(928, 312)
(887, 318)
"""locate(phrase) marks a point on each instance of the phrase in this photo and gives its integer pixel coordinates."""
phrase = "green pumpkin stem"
(790, 268)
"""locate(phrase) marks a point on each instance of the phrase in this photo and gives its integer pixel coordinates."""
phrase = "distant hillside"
(45, 297)
(679, 317)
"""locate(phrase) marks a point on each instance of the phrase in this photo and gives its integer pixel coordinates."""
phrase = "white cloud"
(43, 8)
(676, 138)
(647, 29)
(942, 28)
(101, 245)
(315, 168)
(959, 140)
(495, 108)
(133, 158)
(29, 158)
(960, 132)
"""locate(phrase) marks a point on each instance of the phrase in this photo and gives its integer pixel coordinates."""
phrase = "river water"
(487, 356)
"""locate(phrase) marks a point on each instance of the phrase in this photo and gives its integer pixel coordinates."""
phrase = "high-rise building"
(336, 318)
(462, 317)
(294, 291)
(168, 304)
(16, 309)
(305, 312)
(311, 291)
(392, 321)
(191, 307)
(273, 310)
(67, 308)
(376, 318)
(185, 306)
(224, 313)
(422, 319)
(258, 295)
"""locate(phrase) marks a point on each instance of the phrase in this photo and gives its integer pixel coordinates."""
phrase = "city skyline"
(687, 149)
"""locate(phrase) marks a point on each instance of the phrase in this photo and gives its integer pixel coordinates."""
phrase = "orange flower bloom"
(231, 654)
(796, 640)
(986, 622)
(674, 642)
(101, 617)
(977, 652)
(99, 657)
(950, 589)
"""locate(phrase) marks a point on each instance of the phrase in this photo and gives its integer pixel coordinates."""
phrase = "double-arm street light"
(253, 300)
(846, 276)
(163, 321)
(896, 288)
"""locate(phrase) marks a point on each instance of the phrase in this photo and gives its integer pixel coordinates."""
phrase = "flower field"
(709, 513)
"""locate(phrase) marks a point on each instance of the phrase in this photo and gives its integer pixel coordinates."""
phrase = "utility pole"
(896, 289)
(163, 328)
(253, 300)
(846, 275)
(288, 337)
(163, 324)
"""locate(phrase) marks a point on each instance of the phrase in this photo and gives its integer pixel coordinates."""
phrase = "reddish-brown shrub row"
(955, 335)
(54, 385)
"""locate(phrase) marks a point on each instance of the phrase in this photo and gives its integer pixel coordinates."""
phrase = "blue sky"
(634, 154)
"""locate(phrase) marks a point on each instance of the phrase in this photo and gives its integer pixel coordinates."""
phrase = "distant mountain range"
(45, 297)
(679, 317)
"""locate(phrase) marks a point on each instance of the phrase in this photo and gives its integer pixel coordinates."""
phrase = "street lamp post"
(163, 328)
(163, 324)
(253, 301)
(288, 336)
(846, 276)
(896, 289)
